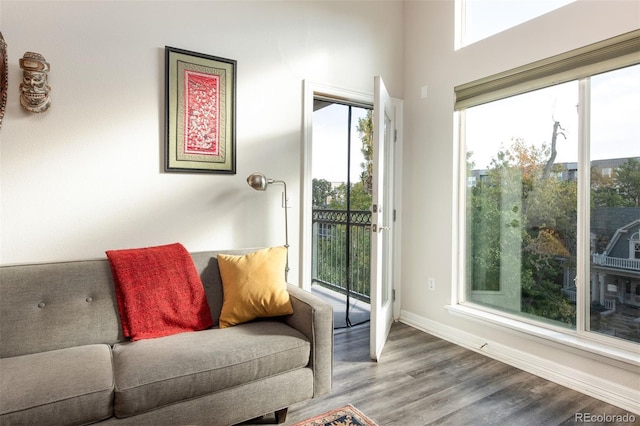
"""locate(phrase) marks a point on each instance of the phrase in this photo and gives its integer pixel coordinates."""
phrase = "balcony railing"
(341, 251)
(610, 304)
(616, 262)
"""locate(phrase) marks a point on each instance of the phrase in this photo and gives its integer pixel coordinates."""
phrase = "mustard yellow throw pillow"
(253, 286)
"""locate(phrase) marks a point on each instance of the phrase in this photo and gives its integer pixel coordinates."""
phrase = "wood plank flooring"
(423, 380)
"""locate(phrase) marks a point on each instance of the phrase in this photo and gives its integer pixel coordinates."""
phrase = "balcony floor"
(359, 311)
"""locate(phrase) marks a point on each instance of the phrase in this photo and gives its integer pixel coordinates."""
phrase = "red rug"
(345, 416)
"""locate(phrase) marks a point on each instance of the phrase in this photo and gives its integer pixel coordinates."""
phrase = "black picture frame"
(200, 112)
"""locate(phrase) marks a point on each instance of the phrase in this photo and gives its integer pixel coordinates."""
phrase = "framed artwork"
(199, 113)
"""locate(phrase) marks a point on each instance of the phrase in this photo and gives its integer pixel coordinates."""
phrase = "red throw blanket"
(159, 291)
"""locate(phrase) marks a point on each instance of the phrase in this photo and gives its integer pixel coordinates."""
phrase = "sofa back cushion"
(52, 306)
(57, 305)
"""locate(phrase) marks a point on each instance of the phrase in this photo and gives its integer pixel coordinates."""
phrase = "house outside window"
(544, 231)
(634, 246)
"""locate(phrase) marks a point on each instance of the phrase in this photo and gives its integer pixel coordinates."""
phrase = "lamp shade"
(258, 181)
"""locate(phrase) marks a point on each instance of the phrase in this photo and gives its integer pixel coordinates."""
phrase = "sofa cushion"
(70, 386)
(254, 286)
(158, 372)
(159, 291)
(44, 307)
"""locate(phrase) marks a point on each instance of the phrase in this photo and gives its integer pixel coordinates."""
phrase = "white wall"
(86, 175)
(429, 207)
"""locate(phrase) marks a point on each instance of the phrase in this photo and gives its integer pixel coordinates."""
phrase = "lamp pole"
(286, 224)
(260, 182)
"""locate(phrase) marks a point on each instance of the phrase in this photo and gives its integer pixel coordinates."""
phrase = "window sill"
(623, 358)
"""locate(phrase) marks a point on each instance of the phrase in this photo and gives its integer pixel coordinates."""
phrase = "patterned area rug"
(345, 416)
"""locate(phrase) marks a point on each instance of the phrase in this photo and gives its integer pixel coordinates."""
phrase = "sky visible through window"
(330, 143)
(615, 108)
(530, 117)
(484, 18)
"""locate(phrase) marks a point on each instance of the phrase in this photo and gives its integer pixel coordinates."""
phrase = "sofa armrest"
(313, 317)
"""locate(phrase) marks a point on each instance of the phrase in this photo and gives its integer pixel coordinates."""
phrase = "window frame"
(579, 65)
(607, 55)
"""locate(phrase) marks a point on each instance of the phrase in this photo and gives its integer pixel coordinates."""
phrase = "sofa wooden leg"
(281, 415)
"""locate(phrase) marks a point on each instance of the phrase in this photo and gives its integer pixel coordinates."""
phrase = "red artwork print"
(202, 113)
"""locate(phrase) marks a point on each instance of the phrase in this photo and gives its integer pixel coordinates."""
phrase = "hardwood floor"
(423, 380)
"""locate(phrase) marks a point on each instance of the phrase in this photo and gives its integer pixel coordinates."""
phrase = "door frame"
(312, 89)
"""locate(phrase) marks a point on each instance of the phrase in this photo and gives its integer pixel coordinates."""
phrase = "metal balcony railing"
(341, 251)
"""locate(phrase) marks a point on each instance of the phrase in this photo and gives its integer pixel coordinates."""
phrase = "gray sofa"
(63, 358)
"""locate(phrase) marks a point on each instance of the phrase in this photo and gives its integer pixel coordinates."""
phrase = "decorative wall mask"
(34, 90)
(4, 77)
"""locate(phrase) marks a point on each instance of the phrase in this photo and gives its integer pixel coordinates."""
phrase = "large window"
(614, 306)
(552, 194)
(521, 210)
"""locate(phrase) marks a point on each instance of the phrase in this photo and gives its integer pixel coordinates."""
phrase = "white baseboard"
(607, 391)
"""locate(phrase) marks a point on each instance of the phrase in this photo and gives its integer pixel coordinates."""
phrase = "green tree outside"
(545, 216)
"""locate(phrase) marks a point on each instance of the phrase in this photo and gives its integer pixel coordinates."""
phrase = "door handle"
(377, 228)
